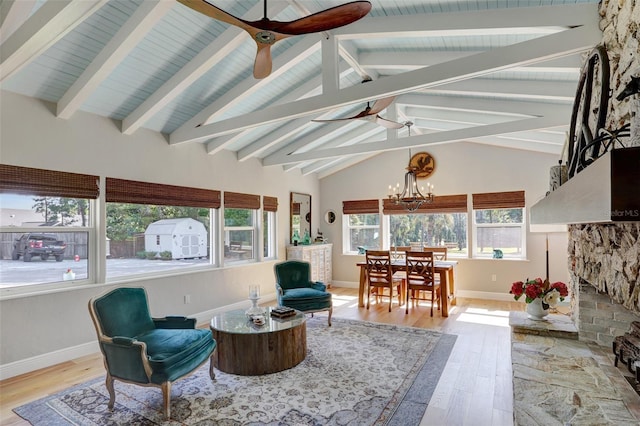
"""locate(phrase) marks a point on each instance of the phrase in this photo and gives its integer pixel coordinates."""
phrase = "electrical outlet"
(493, 277)
(187, 299)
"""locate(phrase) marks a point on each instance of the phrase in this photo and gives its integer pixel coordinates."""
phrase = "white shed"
(184, 238)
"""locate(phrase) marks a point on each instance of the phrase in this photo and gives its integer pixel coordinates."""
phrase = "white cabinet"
(319, 256)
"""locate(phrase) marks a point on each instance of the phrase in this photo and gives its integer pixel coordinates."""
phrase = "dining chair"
(421, 277)
(380, 276)
(398, 255)
(416, 246)
(439, 252)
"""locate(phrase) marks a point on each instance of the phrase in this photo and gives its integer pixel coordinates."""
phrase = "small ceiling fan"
(266, 32)
(370, 113)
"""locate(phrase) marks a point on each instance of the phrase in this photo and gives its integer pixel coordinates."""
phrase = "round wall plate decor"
(423, 163)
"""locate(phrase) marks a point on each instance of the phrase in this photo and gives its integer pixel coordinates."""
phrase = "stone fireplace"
(604, 258)
(604, 279)
(604, 264)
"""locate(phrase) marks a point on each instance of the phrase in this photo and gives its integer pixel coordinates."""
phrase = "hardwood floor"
(475, 387)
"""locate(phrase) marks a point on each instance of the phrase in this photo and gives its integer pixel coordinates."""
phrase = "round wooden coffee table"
(249, 350)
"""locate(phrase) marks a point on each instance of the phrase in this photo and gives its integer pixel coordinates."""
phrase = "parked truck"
(38, 244)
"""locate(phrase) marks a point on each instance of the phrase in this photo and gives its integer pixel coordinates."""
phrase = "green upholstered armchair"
(143, 350)
(296, 290)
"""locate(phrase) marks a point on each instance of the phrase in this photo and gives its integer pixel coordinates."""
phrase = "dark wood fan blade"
(263, 63)
(388, 123)
(335, 119)
(325, 20)
(266, 32)
(361, 114)
(213, 12)
(381, 104)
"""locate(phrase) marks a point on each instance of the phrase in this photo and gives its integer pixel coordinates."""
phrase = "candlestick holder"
(254, 296)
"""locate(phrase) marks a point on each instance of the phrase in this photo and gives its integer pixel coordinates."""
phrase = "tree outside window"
(430, 229)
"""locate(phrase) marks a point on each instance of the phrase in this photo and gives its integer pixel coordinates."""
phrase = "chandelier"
(411, 197)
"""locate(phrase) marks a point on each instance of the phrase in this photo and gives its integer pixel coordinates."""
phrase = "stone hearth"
(560, 380)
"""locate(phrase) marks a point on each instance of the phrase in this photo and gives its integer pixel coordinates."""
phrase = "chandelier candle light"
(411, 198)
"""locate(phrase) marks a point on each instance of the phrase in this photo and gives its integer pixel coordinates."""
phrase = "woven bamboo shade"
(237, 200)
(441, 204)
(47, 183)
(360, 206)
(270, 204)
(129, 191)
(498, 200)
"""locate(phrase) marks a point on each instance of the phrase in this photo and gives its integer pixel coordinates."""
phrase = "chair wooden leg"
(330, 313)
(433, 292)
(166, 399)
(368, 296)
(406, 303)
(112, 392)
(390, 296)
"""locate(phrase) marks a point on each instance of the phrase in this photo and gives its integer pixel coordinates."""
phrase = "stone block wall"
(620, 25)
(599, 319)
(604, 259)
(604, 262)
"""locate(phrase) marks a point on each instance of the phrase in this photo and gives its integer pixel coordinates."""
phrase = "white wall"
(43, 329)
(461, 168)
(31, 136)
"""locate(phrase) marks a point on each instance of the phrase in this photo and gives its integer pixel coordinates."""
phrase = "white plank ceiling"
(491, 72)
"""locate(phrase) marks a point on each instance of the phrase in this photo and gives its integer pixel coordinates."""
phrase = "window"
(362, 225)
(430, 229)
(154, 228)
(363, 232)
(47, 227)
(269, 237)
(241, 229)
(440, 223)
(146, 238)
(239, 234)
(499, 225)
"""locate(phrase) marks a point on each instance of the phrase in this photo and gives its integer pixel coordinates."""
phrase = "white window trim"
(55, 286)
(523, 235)
(346, 235)
(257, 237)
(272, 235)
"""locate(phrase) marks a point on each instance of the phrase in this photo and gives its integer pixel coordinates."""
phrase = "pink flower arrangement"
(539, 289)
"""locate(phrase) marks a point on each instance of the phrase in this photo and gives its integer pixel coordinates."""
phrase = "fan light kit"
(266, 32)
(411, 198)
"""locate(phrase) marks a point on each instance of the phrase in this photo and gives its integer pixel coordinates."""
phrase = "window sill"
(32, 290)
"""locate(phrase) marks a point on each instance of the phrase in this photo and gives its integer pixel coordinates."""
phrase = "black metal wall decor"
(590, 110)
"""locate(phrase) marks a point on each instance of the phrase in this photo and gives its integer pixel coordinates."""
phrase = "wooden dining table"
(442, 267)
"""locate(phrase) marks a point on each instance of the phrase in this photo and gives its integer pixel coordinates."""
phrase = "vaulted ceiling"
(490, 72)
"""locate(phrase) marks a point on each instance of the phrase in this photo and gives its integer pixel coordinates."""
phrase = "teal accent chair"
(296, 290)
(143, 350)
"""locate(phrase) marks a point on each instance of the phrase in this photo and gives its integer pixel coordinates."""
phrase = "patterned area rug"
(355, 373)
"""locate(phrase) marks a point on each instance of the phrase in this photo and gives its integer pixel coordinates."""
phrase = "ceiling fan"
(266, 32)
(370, 113)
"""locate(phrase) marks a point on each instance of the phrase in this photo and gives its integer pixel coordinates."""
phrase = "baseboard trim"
(487, 295)
(37, 362)
(470, 294)
(346, 284)
(47, 360)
